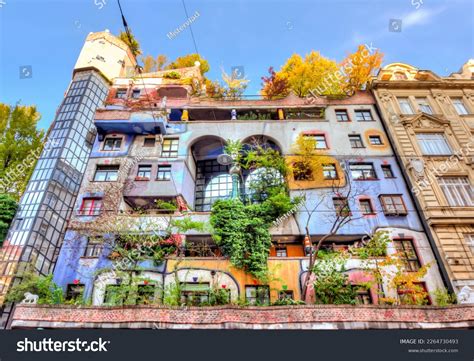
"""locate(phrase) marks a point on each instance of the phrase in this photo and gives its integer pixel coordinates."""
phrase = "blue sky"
(48, 36)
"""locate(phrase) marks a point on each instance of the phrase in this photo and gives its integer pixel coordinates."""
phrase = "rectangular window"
(164, 172)
(149, 142)
(112, 144)
(106, 173)
(341, 115)
(121, 93)
(362, 171)
(74, 291)
(319, 140)
(341, 205)
(356, 141)
(393, 205)
(470, 241)
(375, 140)
(459, 106)
(366, 206)
(457, 190)
(194, 294)
(433, 144)
(363, 115)
(93, 249)
(170, 148)
(136, 93)
(407, 253)
(281, 251)
(285, 295)
(363, 296)
(329, 171)
(91, 206)
(257, 295)
(144, 172)
(405, 105)
(424, 106)
(387, 171)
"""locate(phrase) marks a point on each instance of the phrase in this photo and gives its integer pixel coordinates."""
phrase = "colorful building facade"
(160, 140)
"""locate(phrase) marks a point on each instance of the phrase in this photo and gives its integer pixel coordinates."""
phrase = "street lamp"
(234, 171)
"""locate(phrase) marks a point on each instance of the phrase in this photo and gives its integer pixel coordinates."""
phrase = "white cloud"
(420, 17)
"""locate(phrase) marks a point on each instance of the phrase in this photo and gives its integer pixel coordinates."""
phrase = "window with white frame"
(405, 105)
(457, 190)
(459, 106)
(424, 106)
(470, 240)
(319, 140)
(393, 205)
(433, 144)
(363, 115)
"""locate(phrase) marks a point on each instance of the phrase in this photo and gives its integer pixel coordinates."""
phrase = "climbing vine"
(241, 226)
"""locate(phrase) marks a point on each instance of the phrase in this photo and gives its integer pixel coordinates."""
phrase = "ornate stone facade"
(430, 120)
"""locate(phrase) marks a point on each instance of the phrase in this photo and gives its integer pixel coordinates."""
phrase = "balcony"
(139, 123)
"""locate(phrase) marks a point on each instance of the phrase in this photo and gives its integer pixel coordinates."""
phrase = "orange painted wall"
(283, 271)
(292, 250)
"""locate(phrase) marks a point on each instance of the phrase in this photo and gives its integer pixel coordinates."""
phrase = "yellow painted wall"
(283, 271)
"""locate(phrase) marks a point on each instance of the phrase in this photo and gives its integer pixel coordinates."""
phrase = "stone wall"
(235, 317)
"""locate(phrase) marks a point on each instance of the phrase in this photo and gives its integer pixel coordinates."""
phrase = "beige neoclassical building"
(430, 120)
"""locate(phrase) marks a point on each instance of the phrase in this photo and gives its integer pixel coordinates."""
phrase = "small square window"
(136, 93)
(93, 248)
(74, 291)
(341, 115)
(329, 171)
(91, 206)
(112, 144)
(259, 295)
(281, 251)
(356, 141)
(286, 295)
(341, 205)
(366, 206)
(387, 171)
(393, 205)
(144, 172)
(363, 296)
(170, 148)
(375, 140)
(164, 172)
(121, 93)
(363, 115)
(149, 142)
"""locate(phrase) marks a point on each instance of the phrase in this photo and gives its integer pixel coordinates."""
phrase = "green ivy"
(332, 284)
(242, 231)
